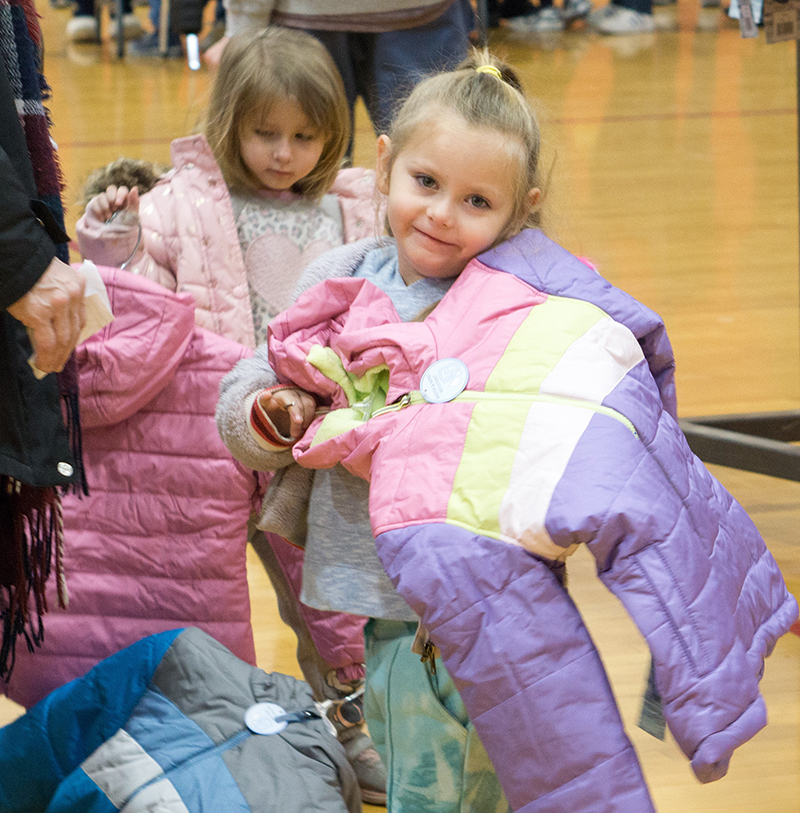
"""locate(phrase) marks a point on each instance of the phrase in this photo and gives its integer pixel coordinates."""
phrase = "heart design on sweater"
(274, 263)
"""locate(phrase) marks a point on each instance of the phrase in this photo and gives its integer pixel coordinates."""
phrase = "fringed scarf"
(31, 530)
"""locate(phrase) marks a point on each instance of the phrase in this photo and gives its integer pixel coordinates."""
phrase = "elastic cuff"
(263, 430)
(352, 673)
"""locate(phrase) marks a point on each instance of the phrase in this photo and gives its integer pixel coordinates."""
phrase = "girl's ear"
(382, 168)
(534, 196)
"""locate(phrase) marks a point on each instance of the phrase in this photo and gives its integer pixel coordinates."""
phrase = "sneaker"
(597, 15)
(546, 19)
(131, 27)
(621, 20)
(576, 10)
(370, 771)
(148, 45)
(82, 28)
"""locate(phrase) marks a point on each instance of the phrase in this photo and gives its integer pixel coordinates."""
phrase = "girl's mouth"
(432, 238)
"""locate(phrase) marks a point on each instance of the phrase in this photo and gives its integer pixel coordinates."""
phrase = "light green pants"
(433, 757)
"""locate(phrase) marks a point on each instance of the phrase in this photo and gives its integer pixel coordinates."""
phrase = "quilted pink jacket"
(160, 542)
(195, 248)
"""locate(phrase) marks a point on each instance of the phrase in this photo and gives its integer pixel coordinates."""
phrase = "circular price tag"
(260, 718)
(444, 380)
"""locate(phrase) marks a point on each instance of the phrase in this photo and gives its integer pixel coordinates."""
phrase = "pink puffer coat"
(160, 542)
(194, 247)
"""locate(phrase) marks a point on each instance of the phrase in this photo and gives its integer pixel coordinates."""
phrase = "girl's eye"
(306, 136)
(478, 202)
(426, 181)
(265, 133)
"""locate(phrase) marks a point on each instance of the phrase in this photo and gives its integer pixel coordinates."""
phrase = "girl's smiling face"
(281, 147)
(450, 194)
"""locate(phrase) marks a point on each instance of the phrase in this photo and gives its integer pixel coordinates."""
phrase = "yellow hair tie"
(490, 69)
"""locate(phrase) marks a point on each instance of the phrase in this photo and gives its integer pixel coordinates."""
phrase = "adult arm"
(35, 287)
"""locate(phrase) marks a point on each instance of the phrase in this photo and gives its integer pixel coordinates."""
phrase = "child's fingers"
(301, 411)
(133, 200)
(100, 207)
(117, 197)
(121, 198)
(291, 410)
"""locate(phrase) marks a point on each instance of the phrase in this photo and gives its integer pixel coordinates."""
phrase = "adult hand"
(291, 410)
(213, 56)
(115, 199)
(54, 313)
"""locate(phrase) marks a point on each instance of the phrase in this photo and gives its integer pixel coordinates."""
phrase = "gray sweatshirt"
(325, 511)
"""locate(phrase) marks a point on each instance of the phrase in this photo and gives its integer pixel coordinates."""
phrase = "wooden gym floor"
(674, 168)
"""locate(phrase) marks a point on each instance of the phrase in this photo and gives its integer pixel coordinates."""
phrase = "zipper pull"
(402, 401)
(429, 655)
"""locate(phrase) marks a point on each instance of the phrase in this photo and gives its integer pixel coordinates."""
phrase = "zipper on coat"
(416, 398)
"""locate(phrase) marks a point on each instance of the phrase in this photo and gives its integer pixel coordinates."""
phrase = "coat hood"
(129, 362)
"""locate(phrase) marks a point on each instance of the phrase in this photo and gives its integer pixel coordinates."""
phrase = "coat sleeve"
(359, 203)
(237, 391)
(149, 252)
(25, 248)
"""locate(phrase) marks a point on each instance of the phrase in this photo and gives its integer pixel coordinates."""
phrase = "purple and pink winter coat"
(560, 438)
(160, 543)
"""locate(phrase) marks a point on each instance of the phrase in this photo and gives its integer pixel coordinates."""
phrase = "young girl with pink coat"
(252, 198)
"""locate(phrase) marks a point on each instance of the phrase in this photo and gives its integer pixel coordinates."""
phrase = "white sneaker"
(576, 10)
(546, 19)
(82, 28)
(131, 27)
(599, 14)
(621, 20)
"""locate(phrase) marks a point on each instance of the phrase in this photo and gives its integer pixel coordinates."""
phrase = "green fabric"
(433, 757)
(364, 393)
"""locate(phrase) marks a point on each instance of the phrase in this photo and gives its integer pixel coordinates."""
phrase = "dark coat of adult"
(34, 447)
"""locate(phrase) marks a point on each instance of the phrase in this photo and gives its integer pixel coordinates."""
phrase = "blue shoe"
(148, 45)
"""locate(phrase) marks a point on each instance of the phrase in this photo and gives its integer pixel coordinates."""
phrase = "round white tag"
(444, 380)
(260, 718)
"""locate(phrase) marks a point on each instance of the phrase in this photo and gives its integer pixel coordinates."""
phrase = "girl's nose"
(282, 150)
(441, 210)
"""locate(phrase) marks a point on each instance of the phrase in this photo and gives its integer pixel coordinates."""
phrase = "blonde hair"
(260, 67)
(486, 93)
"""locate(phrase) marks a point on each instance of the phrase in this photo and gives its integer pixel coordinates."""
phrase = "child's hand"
(291, 410)
(114, 200)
